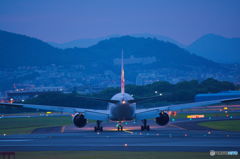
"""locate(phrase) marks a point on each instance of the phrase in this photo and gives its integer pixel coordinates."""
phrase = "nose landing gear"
(119, 126)
(145, 126)
(98, 127)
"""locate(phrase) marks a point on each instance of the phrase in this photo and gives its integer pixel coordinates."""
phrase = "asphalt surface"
(173, 137)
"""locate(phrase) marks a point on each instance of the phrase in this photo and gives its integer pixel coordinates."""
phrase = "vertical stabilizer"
(122, 76)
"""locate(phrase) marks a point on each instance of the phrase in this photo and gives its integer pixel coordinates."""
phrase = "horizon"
(63, 21)
(117, 36)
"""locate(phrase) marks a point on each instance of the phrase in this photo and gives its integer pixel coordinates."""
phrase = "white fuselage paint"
(122, 111)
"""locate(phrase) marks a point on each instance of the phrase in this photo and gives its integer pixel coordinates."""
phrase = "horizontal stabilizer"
(100, 99)
(143, 99)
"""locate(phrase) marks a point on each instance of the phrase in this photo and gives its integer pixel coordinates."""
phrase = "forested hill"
(181, 92)
(20, 50)
(141, 56)
(217, 48)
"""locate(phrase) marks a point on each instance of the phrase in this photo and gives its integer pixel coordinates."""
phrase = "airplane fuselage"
(122, 111)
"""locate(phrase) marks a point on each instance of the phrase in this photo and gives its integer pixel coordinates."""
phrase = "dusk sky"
(66, 20)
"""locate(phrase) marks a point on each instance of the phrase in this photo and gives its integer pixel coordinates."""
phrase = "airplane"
(121, 108)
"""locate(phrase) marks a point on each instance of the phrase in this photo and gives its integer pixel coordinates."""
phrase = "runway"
(167, 138)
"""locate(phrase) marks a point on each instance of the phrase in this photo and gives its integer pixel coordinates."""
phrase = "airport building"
(215, 96)
(20, 95)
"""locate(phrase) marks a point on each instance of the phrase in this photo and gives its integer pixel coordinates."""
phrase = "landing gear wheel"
(98, 127)
(120, 128)
(145, 126)
(95, 129)
(148, 128)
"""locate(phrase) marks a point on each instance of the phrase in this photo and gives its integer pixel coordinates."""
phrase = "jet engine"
(79, 120)
(163, 119)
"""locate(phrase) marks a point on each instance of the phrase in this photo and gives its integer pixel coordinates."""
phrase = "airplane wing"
(154, 112)
(91, 114)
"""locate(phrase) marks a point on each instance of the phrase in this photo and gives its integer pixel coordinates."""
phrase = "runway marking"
(125, 130)
(130, 132)
(62, 129)
(178, 127)
(13, 140)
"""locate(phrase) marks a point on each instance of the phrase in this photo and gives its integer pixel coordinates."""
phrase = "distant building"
(19, 95)
(3, 99)
(215, 96)
(148, 78)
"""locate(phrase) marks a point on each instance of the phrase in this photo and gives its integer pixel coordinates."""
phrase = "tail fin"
(122, 76)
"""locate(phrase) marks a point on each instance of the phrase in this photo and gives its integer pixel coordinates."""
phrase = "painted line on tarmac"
(14, 140)
(127, 131)
(178, 127)
(63, 129)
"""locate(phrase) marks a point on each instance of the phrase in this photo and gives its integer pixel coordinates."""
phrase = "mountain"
(143, 57)
(83, 43)
(165, 54)
(210, 46)
(18, 50)
(159, 37)
(217, 48)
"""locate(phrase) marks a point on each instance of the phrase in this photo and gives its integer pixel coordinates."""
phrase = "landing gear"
(120, 127)
(98, 127)
(145, 126)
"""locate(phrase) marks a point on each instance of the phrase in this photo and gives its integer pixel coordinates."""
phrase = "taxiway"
(173, 137)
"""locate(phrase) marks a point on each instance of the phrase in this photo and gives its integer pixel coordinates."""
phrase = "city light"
(225, 108)
(195, 116)
(11, 100)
